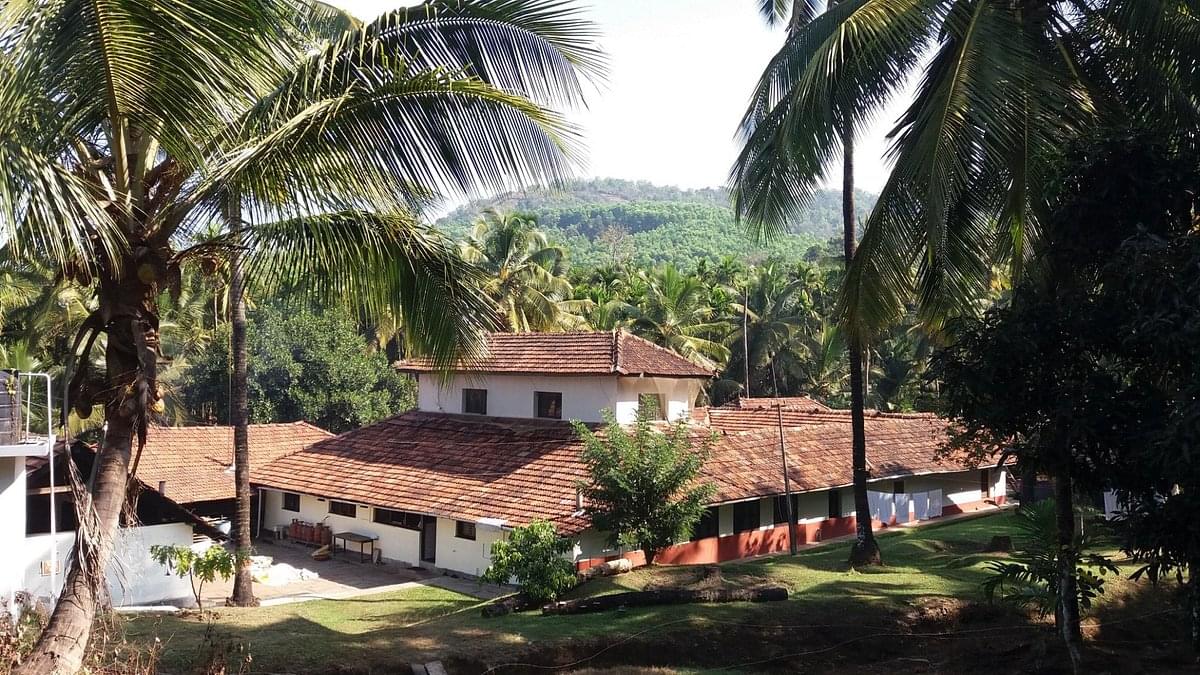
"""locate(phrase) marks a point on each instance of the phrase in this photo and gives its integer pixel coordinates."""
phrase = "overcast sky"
(681, 73)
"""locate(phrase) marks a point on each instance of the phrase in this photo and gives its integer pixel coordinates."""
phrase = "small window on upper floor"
(475, 401)
(653, 405)
(547, 404)
(291, 501)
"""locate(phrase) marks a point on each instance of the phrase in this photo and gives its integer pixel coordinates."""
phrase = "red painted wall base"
(764, 542)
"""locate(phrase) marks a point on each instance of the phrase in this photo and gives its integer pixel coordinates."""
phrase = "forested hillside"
(609, 220)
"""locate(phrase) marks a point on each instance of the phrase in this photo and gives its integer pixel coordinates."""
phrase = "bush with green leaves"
(534, 556)
(198, 568)
(644, 487)
(1030, 579)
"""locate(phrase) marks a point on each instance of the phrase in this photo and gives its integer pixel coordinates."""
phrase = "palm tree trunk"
(243, 583)
(865, 550)
(1194, 582)
(1068, 595)
(130, 366)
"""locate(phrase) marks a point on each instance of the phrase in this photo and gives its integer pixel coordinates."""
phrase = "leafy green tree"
(1055, 378)
(126, 124)
(306, 364)
(523, 273)
(200, 568)
(644, 487)
(534, 555)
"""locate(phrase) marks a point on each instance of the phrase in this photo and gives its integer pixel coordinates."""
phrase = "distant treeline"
(607, 221)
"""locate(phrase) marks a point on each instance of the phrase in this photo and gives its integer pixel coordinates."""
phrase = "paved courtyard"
(343, 576)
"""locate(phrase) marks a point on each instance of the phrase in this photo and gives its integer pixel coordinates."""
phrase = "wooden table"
(361, 539)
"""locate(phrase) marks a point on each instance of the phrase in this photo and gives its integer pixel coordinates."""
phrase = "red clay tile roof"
(516, 470)
(577, 353)
(786, 402)
(195, 461)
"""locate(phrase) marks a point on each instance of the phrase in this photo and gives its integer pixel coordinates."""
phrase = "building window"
(898, 487)
(464, 530)
(409, 521)
(708, 525)
(781, 510)
(835, 504)
(291, 501)
(475, 401)
(343, 509)
(653, 406)
(746, 516)
(548, 404)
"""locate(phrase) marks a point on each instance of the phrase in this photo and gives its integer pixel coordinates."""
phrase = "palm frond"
(391, 264)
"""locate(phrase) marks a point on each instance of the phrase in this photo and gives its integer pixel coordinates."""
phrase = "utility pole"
(787, 483)
(746, 337)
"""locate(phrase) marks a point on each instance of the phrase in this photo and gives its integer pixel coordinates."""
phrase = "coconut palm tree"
(840, 130)
(775, 314)
(127, 125)
(673, 311)
(523, 273)
(1005, 84)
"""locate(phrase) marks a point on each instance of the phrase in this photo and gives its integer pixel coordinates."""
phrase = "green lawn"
(378, 632)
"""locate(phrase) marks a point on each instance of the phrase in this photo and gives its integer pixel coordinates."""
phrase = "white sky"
(681, 73)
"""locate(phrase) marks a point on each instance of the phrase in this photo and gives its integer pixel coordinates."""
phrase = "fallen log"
(669, 596)
(509, 604)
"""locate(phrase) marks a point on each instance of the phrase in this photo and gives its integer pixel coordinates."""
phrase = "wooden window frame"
(745, 508)
(465, 530)
(407, 520)
(467, 393)
(537, 404)
(334, 503)
(288, 496)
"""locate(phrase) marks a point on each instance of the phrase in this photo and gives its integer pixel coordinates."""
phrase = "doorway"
(428, 539)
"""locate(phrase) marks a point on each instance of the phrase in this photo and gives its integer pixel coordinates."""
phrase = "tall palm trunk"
(243, 583)
(129, 306)
(865, 550)
(1067, 612)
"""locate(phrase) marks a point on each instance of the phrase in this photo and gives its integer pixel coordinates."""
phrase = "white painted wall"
(398, 544)
(583, 396)
(12, 524)
(133, 577)
(465, 555)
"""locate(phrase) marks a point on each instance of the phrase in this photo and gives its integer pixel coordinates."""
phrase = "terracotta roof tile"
(517, 470)
(195, 462)
(577, 353)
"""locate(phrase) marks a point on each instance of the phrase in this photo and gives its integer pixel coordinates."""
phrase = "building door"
(428, 539)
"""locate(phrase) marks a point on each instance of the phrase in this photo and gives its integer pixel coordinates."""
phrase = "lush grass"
(425, 623)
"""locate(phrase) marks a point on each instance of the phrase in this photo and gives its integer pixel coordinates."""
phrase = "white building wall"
(465, 555)
(134, 578)
(12, 524)
(583, 396)
(398, 544)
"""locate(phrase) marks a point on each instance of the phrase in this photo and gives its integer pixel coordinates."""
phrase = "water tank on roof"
(10, 408)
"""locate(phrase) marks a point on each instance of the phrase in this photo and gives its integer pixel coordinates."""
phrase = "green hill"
(607, 219)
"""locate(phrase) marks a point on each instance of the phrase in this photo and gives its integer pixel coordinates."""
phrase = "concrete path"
(343, 577)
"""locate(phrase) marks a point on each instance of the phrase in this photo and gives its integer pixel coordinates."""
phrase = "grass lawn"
(380, 633)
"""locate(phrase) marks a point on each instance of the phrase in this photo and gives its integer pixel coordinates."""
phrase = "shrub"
(534, 556)
(199, 568)
(1031, 579)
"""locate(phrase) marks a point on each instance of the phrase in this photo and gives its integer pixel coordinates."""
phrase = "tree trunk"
(865, 550)
(1067, 614)
(1194, 582)
(1028, 484)
(130, 369)
(243, 582)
